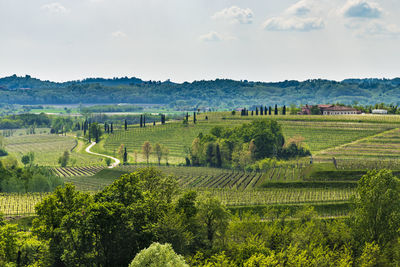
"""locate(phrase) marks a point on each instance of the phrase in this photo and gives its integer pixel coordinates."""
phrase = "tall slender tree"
(276, 110)
(218, 158)
(125, 156)
(262, 111)
(126, 125)
(269, 110)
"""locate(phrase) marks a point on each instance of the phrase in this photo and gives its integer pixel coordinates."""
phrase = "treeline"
(111, 108)
(24, 121)
(140, 210)
(242, 146)
(220, 93)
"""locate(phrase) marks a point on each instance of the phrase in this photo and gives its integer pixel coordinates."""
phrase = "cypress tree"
(141, 121)
(154, 123)
(252, 113)
(218, 156)
(126, 125)
(125, 156)
(261, 111)
(256, 111)
(266, 110)
(269, 110)
(144, 120)
(111, 127)
(194, 117)
(284, 110)
(276, 110)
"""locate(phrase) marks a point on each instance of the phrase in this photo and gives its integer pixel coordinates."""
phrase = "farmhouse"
(328, 110)
(379, 111)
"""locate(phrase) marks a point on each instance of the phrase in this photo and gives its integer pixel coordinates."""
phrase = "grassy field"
(319, 133)
(48, 148)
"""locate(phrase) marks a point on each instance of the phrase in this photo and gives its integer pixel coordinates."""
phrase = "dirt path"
(116, 161)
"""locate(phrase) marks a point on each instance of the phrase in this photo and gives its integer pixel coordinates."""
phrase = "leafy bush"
(158, 255)
(3, 152)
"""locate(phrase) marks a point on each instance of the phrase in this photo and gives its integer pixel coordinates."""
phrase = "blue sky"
(186, 40)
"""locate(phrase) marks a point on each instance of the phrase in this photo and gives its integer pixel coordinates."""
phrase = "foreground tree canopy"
(142, 220)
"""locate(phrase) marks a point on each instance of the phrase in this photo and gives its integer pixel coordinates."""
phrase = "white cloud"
(303, 16)
(293, 24)
(375, 29)
(214, 36)
(55, 8)
(119, 34)
(301, 8)
(361, 9)
(235, 14)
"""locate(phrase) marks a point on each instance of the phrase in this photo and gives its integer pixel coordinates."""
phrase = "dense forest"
(221, 93)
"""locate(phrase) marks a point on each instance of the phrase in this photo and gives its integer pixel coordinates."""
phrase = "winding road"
(116, 161)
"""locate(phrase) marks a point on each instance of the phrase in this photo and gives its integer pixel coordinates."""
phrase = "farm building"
(328, 110)
(379, 111)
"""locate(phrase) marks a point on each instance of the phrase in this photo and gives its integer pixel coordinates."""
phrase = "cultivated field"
(356, 142)
(48, 148)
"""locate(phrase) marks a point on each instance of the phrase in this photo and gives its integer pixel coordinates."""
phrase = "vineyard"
(356, 143)
(381, 150)
(48, 148)
(318, 135)
(19, 204)
(76, 171)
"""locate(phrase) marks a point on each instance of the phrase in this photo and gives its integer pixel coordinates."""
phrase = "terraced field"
(381, 150)
(48, 148)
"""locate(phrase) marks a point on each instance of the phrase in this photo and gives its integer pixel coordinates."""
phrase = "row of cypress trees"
(263, 111)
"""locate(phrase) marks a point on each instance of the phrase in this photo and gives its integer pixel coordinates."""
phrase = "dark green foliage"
(64, 159)
(242, 145)
(3, 152)
(377, 208)
(109, 228)
(125, 158)
(315, 110)
(95, 132)
(292, 151)
(219, 93)
(24, 121)
(28, 179)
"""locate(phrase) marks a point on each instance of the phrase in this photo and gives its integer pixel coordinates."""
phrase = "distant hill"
(222, 93)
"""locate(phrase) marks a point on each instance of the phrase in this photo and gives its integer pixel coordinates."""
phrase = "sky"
(186, 40)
